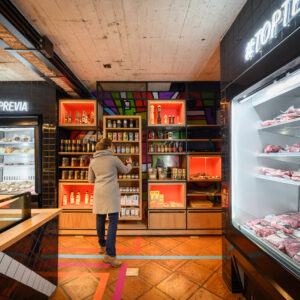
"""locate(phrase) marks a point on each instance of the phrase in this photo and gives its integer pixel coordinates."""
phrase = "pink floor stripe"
(120, 283)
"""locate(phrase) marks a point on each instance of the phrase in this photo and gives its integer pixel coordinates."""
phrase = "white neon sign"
(13, 106)
(280, 18)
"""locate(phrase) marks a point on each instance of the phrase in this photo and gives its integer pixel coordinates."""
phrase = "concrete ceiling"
(163, 40)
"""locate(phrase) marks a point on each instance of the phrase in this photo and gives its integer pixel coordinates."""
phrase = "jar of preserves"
(65, 175)
(77, 175)
(65, 162)
(132, 149)
(120, 136)
(74, 162)
(131, 136)
(71, 175)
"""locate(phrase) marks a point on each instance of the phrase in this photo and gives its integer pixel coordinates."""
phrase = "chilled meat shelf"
(278, 255)
(278, 179)
(293, 157)
(291, 128)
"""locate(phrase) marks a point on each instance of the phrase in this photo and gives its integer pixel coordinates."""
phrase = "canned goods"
(183, 174)
(174, 173)
(65, 162)
(131, 136)
(77, 175)
(115, 136)
(65, 175)
(179, 173)
(120, 136)
(71, 174)
(74, 162)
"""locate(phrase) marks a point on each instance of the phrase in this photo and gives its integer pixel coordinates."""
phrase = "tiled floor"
(84, 276)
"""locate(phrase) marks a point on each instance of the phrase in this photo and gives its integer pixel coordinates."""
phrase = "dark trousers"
(110, 241)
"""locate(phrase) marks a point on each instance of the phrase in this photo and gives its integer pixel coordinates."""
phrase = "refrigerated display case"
(265, 162)
(19, 156)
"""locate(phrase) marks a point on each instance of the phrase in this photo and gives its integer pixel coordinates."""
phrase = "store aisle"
(191, 270)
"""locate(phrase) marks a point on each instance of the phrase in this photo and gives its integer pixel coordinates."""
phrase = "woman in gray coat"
(103, 171)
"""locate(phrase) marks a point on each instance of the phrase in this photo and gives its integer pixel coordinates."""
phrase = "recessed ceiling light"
(107, 66)
(202, 39)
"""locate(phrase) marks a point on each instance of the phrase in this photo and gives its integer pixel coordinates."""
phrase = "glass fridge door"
(265, 163)
(17, 160)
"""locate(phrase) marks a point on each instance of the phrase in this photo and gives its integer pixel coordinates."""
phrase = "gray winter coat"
(103, 171)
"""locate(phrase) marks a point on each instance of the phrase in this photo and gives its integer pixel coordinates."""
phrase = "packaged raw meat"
(293, 148)
(276, 173)
(272, 149)
(292, 247)
(297, 257)
(276, 241)
(269, 122)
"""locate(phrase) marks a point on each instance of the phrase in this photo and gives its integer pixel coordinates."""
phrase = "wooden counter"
(38, 218)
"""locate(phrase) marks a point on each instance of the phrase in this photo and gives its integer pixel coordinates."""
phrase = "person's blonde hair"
(103, 144)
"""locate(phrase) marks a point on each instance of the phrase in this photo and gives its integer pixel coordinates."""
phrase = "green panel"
(115, 95)
(129, 95)
(120, 110)
(208, 95)
(197, 122)
(130, 112)
(209, 102)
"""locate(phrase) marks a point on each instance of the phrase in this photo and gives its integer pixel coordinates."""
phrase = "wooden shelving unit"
(135, 156)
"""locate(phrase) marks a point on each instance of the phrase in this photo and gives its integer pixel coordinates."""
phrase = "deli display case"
(19, 155)
(265, 164)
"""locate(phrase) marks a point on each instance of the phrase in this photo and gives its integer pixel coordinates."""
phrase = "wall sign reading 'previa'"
(281, 18)
(13, 106)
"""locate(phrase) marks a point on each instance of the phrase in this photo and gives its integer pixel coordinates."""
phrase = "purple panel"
(109, 103)
(114, 109)
(107, 95)
(165, 95)
(209, 117)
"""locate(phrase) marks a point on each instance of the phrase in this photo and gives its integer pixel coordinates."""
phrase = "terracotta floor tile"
(167, 243)
(59, 295)
(154, 294)
(151, 238)
(195, 272)
(134, 287)
(154, 273)
(108, 294)
(81, 287)
(216, 285)
(132, 243)
(203, 294)
(135, 263)
(184, 249)
(201, 242)
(125, 238)
(211, 264)
(171, 264)
(181, 238)
(71, 269)
(178, 287)
(215, 248)
(92, 239)
(152, 249)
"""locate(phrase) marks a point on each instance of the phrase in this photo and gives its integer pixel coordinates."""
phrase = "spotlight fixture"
(107, 66)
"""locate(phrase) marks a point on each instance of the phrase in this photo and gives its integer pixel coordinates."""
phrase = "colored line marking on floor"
(101, 286)
(137, 248)
(120, 283)
(133, 256)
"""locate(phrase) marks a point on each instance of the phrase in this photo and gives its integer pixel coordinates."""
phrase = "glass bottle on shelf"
(170, 119)
(70, 117)
(66, 117)
(151, 148)
(76, 118)
(158, 148)
(152, 114)
(114, 124)
(92, 120)
(88, 146)
(78, 146)
(131, 123)
(165, 119)
(166, 147)
(72, 199)
(93, 146)
(125, 123)
(109, 123)
(84, 146)
(180, 149)
(173, 119)
(158, 114)
(119, 123)
(92, 199)
(136, 136)
(65, 200)
(86, 198)
(78, 198)
(62, 145)
(137, 149)
(73, 146)
(174, 147)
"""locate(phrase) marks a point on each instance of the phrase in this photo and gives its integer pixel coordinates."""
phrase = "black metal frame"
(16, 23)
